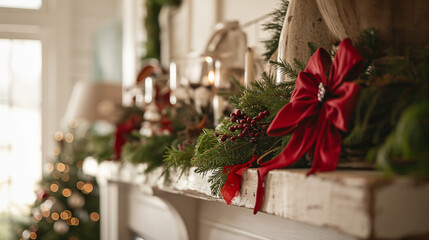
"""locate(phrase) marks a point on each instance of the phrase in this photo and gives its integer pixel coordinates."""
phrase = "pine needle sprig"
(274, 26)
(175, 158)
(287, 69)
(259, 97)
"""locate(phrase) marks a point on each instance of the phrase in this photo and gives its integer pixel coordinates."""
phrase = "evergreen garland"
(151, 23)
(150, 150)
(212, 154)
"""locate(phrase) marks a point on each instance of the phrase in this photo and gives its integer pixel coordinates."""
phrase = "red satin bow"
(318, 109)
(232, 186)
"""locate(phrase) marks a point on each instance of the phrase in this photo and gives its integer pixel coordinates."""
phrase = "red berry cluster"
(249, 128)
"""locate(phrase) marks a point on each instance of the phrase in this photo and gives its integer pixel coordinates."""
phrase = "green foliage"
(178, 158)
(264, 94)
(369, 47)
(394, 85)
(274, 27)
(149, 151)
(211, 154)
(100, 146)
(406, 149)
(287, 69)
(151, 22)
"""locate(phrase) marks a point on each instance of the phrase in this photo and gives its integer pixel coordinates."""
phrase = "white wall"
(86, 18)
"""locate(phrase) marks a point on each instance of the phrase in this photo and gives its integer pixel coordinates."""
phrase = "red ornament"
(121, 131)
(232, 186)
(42, 195)
(320, 107)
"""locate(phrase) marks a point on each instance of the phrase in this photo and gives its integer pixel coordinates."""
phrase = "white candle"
(249, 71)
(173, 83)
(148, 90)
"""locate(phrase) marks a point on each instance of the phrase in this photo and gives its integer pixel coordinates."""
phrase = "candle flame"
(211, 77)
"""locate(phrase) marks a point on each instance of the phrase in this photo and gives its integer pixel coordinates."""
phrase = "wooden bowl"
(399, 22)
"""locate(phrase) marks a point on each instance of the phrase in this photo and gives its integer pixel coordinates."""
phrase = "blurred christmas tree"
(67, 205)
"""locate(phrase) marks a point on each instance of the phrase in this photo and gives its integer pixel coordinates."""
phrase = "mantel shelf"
(362, 204)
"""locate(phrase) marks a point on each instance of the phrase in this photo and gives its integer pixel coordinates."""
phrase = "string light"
(33, 235)
(65, 215)
(79, 164)
(67, 192)
(59, 136)
(47, 205)
(61, 167)
(87, 188)
(73, 221)
(55, 216)
(67, 168)
(38, 216)
(26, 234)
(46, 213)
(80, 185)
(56, 175)
(65, 177)
(94, 216)
(49, 167)
(69, 137)
(54, 187)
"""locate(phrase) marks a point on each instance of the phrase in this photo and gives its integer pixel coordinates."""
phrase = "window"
(27, 4)
(20, 126)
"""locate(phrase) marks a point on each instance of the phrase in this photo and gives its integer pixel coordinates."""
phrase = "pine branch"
(299, 66)
(274, 26)
(286, 68)
(176, 158)
(259, 97)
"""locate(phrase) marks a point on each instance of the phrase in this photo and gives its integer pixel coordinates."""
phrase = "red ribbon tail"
(302, 139)
(262, 171)
(278, 162)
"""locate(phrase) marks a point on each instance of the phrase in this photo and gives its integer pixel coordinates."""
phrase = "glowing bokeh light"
(94, 216)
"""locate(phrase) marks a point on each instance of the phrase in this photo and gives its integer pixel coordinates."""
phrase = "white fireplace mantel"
(336, 205)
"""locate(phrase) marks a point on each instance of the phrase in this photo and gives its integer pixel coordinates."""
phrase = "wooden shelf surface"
(363, 204)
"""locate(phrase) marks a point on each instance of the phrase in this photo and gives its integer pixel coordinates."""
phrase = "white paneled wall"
(87, 18)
